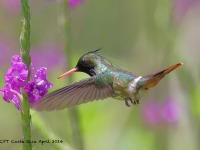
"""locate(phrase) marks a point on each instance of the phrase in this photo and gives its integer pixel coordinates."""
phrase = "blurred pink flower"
(48, 55)
(155, 114)
(71, 3)
(181, 8)
(170, 111)
(5, 52)
(11, 5)
(74, 3)
(150, 112)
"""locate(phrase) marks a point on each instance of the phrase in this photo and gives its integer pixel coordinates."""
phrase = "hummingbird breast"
(127, 87)
(125, 84)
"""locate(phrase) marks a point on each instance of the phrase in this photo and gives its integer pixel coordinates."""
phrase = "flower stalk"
(73, 112)
(25, 54)
(25, 34)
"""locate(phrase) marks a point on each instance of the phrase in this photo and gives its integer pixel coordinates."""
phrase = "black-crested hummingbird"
(105, 81)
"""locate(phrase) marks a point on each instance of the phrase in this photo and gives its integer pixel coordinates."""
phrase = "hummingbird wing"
(86, 90)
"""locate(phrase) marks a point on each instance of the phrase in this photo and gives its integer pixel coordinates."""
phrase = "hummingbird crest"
(94, 51)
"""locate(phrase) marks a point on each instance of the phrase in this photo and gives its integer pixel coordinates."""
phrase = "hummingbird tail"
(152, 80)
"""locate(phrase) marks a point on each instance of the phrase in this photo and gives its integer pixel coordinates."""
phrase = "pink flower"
(15, 79)
(170, 112)
(155, 114)
(11, 5)
(48, 55)
(5, 51)
(181, 8)
(39, 86)
(74, 3)
(150, 112)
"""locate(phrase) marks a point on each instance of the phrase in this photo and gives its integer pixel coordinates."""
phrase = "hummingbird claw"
(126, 102)
(134, 102)
(138, 102)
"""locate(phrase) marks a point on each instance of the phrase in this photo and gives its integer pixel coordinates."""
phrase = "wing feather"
(74, 94)
(87, 95)
(93, 93)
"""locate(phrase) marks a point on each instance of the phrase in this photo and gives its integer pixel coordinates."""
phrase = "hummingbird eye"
(83, 62)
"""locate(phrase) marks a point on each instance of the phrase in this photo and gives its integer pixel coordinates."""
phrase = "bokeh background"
(138, 35)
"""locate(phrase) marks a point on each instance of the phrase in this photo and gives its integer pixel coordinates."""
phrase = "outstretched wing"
(86, 90)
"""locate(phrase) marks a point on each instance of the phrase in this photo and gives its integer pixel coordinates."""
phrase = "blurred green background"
(138, 35)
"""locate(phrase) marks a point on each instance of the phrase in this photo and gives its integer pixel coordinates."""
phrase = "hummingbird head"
(87, 64)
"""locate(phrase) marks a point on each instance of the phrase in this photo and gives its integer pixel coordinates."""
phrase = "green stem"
(25, 33)
(25, 54)
(26, 120)
(73, 112)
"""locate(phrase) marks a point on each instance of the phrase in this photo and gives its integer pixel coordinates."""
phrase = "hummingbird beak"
(68, 72)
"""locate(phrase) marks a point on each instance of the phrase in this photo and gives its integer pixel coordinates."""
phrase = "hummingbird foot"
(134, 102)
(127, 102)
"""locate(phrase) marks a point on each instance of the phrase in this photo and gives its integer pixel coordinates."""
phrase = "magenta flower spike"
(15, 79)
(39, 87)
(17, 73)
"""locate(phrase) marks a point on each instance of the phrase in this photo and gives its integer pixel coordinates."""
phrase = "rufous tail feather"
(152, 80)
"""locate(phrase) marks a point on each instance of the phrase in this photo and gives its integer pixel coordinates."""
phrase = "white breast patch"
(132, 85)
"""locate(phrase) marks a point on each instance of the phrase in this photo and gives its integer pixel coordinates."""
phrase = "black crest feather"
(94, 51)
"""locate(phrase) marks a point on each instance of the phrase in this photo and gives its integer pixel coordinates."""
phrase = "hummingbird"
(106, 80)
